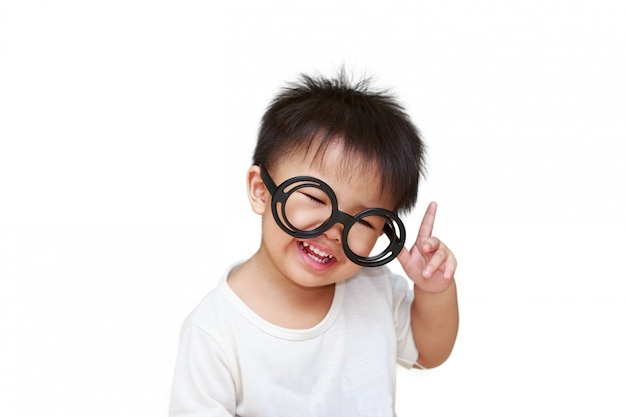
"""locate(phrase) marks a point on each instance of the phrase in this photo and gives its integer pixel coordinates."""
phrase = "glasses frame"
(280, 196)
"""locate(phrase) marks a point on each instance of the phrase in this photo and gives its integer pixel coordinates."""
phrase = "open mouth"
(316, 254)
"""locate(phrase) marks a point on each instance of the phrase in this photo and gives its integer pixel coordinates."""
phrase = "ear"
(257, 193)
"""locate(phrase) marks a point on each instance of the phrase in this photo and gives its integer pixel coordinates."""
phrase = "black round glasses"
(305, 207)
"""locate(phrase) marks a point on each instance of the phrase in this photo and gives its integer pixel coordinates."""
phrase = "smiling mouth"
(316, 254)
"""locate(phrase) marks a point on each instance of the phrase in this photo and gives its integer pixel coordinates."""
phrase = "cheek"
(362, 240)
(272, 234)
(361, 247)
(269, 225)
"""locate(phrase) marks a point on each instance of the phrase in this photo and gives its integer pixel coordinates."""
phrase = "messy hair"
(370, 125)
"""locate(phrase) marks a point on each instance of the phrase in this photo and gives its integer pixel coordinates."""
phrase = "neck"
(278, 299)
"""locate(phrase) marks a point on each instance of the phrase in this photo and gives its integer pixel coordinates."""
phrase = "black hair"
(370, 125)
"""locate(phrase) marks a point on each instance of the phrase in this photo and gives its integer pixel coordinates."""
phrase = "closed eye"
(314, 199)
(366, 224)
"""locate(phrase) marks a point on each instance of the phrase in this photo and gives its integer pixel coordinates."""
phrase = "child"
(313, 323)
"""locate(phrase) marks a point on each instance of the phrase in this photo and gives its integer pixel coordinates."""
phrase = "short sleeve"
(203, 383)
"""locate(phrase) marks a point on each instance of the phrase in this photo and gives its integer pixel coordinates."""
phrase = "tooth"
(320, 252)
(317, 251)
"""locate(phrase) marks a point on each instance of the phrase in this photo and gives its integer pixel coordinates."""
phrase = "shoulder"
(215, 308)
(212, 314)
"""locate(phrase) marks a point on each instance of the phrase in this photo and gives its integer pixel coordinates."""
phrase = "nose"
(335, 232)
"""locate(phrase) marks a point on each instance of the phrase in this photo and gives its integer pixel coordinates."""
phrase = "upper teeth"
(316, 250)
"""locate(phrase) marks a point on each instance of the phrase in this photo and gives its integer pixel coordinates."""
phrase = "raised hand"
(428, 263)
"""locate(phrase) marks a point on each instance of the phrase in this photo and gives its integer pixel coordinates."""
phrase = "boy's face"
(320, 260)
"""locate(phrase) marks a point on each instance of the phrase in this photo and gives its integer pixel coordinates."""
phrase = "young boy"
(313, 323)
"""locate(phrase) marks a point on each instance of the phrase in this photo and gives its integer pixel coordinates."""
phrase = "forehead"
(354, 180)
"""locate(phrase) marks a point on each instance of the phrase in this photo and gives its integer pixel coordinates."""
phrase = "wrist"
(425, 292)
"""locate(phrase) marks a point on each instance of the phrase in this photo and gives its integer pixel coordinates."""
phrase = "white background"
(126, 128)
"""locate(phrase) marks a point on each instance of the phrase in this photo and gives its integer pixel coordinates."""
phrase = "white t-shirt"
(231, 362)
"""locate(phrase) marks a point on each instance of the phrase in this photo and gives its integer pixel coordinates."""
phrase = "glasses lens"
(372, 235)
(306, 207)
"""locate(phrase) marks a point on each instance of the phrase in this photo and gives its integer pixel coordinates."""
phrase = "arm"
(434, 313)
(434, 321)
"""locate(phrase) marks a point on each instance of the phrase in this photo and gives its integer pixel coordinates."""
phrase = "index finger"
(428, 222)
